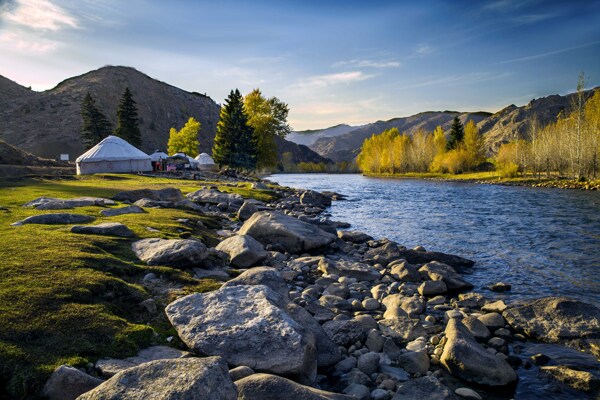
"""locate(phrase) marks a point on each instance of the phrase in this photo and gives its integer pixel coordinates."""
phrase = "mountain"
(310, 136)
(513, 122)
(49, 123)
(346, 147)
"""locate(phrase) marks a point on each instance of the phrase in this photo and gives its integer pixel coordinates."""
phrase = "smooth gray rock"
(411, 306)
(246, 211)
(405, 272)
(554, 319)
(214, 196)
(261, 276)
(290, 233)
(180, 253)
(438, 271)
(403, 328)
(66, 383)
(312, 198)
(55, 219)
(358, 391)
(166, 194)
(477, 328)
(244, 251)
(240, 372)
(414, 362)
(359, 271)
(112, 212)
(354, 236)
(384, 254)
(344, 333)
(51, 203)
(243, 324)
(186, 378)
(427, 387)
(432, 288)
(108, 229)
(272, 387)
(468, 360)
(492, 320)
(423, 257)
(368, 363)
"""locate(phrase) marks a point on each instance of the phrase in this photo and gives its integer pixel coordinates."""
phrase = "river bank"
(492, 178)
(339, 310)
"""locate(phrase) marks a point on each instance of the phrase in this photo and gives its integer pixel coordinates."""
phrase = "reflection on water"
(542, 241)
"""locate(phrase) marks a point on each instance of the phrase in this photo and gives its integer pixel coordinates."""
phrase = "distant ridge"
(49, 123)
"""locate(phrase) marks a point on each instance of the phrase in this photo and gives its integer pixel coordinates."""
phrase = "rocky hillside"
(49, 123)
(347, 146)
(310, 136)
(513, 121)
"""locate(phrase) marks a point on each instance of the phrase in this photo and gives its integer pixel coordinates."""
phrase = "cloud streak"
(368, 64)
(39, 15)
(548, 54)
(321, 81)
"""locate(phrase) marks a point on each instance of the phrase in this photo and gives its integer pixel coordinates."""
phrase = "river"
(541, 241)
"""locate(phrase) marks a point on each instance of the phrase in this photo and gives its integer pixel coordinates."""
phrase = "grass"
(70, 298)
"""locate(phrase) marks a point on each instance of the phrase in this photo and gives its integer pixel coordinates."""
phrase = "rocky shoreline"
(310, 311)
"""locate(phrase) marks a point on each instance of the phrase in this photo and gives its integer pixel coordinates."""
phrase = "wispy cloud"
(368, 64)
(23, 44)
(506, 5)
(548, 53)
(424, 49)
(463, 79)
(532, 18)
(321, 81)
(38, 14)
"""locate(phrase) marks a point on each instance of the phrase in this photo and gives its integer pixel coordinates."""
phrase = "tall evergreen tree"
(95, 125)
(457, 133)
(235, 143)
(127, 120)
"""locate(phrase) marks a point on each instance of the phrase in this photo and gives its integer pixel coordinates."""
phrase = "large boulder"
(554, 319)
(179, 253)
(166, 194)
(113, 212)
(246, 325)
(468, 360)
(266, 276)
(244, 251)
(423, 257)
(51, 203)
(360, 271)
(66, 383)
(413, 306)
(384, 254)
(272, 387)
(402, 328)
(175, 379)
(109, 367)
(214, 196)
(312, 198)
(108, 229)
(288, 232)
(55, 219)
(354, 236)
(427, 387)
(438, 271)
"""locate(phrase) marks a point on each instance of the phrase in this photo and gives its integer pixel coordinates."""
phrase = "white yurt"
(206, 162)
(158, 156)
(190, 160)
(113, 154)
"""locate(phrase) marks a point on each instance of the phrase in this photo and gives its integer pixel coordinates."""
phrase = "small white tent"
(113, 154)
(204, 159)
(158, 155)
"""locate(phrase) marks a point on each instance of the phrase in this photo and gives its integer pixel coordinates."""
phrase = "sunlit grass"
(74, 298)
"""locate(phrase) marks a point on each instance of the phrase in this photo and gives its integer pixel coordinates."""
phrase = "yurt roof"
(183, 156)
(157, 155)
(112, 148)
(204, 158)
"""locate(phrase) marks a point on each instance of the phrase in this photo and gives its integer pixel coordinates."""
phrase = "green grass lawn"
(71, 298)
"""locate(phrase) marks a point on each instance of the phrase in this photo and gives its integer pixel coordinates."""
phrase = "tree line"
(245, 138)
(567, 147)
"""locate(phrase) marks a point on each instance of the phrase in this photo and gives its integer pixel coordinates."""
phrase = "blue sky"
(333, 62)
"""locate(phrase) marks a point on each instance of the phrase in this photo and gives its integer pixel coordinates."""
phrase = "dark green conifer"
(95, 125)
(127, 120)
(457, 134)
(235, 144)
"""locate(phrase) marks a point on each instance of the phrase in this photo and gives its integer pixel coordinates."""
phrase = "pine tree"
(457, 133)
(235, 143)
(95, 125)
(127, 120)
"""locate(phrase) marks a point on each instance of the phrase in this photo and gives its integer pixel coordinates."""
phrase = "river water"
(541, 241)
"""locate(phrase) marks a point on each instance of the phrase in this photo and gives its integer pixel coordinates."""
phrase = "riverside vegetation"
(263, 295)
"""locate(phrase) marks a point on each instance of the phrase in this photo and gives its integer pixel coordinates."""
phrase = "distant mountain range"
(343, 142)
(49, 123)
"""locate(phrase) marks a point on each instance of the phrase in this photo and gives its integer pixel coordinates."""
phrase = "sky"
(331, 61)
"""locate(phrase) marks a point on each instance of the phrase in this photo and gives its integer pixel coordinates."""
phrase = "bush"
(507, 170)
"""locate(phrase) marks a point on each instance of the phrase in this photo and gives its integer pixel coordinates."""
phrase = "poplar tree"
(127, 120)
(185, 140)
(457, 133)
(235, 144)
(95, 125)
